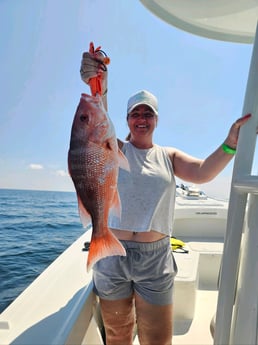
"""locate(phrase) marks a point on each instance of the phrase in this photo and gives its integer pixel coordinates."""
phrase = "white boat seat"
(186, 283)
(209, 263)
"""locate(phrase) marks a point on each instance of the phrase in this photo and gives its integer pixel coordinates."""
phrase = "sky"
(200, 84)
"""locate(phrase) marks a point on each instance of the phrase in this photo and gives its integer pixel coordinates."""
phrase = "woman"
(140, 285)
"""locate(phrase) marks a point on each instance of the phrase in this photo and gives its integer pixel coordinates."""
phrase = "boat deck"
(188, 332)
(65, 309)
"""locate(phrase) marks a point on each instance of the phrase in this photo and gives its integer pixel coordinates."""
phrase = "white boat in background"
(59, 307)
(193, 209)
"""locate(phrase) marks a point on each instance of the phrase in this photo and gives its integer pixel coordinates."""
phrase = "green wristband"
(228, 149)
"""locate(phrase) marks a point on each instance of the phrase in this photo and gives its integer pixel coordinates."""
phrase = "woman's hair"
(128, 137)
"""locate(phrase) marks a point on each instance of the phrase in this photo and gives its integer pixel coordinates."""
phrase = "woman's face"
(142, 120)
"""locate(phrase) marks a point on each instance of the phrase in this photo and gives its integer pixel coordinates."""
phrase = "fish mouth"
(88, 97)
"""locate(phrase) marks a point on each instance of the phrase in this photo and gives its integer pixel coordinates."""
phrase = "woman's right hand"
(92, 65)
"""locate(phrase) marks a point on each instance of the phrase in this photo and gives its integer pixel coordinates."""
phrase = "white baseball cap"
(143, 97)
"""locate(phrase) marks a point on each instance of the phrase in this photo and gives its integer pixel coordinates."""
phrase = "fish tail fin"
(103, 246)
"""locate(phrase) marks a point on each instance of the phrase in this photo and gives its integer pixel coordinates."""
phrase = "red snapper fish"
(93, 161)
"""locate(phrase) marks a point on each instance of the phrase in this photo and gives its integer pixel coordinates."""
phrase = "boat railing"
(237, 309)
(59, 307)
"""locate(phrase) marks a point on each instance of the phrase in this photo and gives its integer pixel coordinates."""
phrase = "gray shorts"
(148, 269)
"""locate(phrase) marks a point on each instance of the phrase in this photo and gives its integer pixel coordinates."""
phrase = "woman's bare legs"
(119, 320)
(154, 322)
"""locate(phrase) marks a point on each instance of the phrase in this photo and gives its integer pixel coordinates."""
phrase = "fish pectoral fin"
(122, 161)
(84, 214)
(103, 246)
(109, 146)
(115, 209)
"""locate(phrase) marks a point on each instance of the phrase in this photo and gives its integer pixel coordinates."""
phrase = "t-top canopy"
(226, 20)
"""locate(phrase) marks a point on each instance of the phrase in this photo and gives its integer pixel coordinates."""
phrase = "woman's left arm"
(199, 171)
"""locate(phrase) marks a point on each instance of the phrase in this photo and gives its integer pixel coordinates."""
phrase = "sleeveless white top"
(147, 191)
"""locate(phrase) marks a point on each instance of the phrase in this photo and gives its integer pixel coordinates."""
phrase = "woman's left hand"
(233, 134)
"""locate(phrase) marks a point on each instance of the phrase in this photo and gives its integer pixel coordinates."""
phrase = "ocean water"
(35, 228)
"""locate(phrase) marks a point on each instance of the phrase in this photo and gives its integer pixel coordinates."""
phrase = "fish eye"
(84, 118)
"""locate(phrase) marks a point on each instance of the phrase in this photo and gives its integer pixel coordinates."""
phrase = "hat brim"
(142, 103)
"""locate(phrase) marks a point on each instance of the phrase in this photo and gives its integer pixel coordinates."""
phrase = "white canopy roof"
(227, 20)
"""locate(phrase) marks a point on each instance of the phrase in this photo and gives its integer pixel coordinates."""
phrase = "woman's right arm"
(90, 68)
